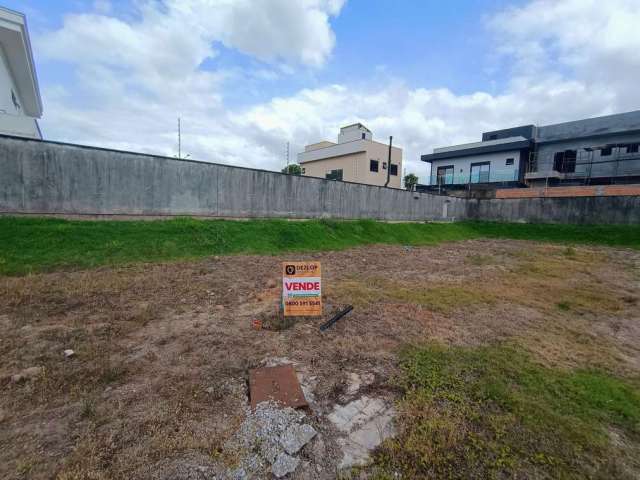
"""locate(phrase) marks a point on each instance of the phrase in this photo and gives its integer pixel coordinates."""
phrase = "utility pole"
(179, 140)
(389, 162)
(287, 154)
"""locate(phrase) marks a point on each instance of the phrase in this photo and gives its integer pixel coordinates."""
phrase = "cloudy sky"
(248, 76)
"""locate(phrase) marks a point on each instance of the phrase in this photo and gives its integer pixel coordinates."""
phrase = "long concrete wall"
(55, 178)
(575, 210)
(39, 177)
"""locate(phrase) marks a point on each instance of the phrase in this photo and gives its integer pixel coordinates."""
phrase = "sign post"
(301, 289)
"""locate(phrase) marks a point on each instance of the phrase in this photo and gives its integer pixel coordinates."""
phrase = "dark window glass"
(334, 175)
(373, 165)
(565, 162)
(632, 148)
(480, 172)
(364, 135)
(393, 169)
(558, 159)
(509, 161)
(444, 175)
(569, 165)
(605, 152)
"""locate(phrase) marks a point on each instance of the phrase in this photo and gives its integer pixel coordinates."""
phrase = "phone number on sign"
(302, 303)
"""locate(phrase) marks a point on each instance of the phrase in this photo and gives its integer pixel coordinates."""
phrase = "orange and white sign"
(302, 289)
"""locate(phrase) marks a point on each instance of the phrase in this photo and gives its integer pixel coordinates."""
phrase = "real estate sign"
(301, 289)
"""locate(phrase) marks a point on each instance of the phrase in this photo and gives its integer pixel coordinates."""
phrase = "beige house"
(355, 158)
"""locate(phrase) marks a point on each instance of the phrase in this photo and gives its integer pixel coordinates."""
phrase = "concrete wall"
(52, 178)
(578, 210)
(48, 177)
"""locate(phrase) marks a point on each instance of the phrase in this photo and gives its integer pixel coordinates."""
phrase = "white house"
(20, 102)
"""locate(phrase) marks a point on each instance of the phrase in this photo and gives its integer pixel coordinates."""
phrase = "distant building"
(597, 150)
(20, 103)
(355, 158)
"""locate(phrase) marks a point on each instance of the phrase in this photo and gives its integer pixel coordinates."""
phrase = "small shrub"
(88, 408)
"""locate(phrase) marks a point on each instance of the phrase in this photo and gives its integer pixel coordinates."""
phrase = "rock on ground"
(269, 435)
(284, 465)
(296, 437)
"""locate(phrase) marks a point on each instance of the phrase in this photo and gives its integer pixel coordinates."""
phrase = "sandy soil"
(159, 378)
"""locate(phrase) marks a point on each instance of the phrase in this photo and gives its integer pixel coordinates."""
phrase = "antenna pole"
(389, 163)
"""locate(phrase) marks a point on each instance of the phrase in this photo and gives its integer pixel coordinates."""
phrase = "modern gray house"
(599, 150)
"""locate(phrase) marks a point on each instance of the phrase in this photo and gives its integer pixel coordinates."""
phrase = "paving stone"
(296, 436)
(367, 423)
(284, 465)
(357, 412)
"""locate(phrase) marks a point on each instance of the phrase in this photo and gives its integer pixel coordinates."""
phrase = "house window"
(364, 135)
(632, 148)
(444, 175)
(334, 175)
(393, 169)
(304, 170)
(373, 165)
(565, 162)
(480, 172)
(509, 161)
(605, 152)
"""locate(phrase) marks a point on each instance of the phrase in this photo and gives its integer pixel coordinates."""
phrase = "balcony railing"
(465, 178)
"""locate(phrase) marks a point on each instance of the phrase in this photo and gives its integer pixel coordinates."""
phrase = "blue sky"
(246, 77)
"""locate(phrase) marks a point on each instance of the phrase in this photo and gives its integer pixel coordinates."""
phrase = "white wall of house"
(13, 121)
(354, 132)
(499, 170)
(7, 88)
(20, 103)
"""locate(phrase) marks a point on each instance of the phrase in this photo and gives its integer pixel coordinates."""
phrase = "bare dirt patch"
(158, 382)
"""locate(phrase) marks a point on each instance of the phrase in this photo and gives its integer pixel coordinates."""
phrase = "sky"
(248, 76)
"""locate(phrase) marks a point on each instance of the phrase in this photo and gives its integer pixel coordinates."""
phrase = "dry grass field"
(471, 339)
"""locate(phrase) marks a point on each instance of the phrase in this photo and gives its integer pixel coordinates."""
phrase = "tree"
(293, 169)
(410, 181)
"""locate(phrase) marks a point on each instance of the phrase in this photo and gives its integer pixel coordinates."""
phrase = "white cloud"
(566, 59)
(595, 42)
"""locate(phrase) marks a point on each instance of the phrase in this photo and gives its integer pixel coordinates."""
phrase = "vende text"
(302, 285)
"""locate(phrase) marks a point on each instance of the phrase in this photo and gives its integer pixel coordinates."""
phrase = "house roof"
(359, 125)
(14, 39)
(476, 148)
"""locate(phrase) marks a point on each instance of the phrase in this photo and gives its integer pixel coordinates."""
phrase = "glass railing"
(476, 177)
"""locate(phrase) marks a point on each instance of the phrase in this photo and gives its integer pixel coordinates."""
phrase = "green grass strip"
(44, 244)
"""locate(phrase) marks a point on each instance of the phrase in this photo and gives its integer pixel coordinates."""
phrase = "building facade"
(597, 150)
(356, 157)
(20, 102)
